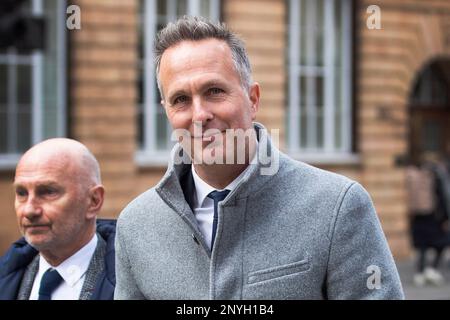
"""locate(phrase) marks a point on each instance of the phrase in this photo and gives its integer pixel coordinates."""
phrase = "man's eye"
(21, 192)
(213, 91)
(47, 192)
(180, 99)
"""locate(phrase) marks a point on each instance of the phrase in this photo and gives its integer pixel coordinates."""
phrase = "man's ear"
(96, 198)
(254, 95)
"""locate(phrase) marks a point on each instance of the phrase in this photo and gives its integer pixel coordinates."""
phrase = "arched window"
(430, 109)
(432, 86)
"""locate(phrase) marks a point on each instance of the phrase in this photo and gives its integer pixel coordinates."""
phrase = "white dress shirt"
(72, 270)
(204, 206)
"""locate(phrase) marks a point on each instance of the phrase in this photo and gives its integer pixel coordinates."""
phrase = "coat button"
(195, 239)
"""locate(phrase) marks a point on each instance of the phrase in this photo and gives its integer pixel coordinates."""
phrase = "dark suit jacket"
(19, 266)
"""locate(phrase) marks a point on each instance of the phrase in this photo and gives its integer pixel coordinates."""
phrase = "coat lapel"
(28, 279)
(96, 267)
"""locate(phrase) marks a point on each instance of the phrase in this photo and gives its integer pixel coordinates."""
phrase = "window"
(153, 128)
(32, 86)
(431, 88)
(319, 85)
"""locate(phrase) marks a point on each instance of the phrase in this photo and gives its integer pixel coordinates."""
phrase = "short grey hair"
(196, 29)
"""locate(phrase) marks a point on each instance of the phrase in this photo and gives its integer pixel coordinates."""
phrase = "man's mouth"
(36, 226)
(210, 137)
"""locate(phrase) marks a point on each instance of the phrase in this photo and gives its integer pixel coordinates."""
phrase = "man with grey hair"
(65, 254)
(215, 230)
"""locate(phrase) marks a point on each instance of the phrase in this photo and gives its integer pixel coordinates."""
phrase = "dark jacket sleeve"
(12, 268)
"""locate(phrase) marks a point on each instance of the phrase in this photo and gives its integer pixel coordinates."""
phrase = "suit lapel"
(28, 279)
(96, 267)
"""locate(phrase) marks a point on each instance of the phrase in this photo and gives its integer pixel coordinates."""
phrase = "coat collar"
(178, 179)
(17, 257)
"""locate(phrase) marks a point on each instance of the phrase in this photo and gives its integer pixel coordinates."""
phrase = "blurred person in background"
(443, 190)
(428, 218)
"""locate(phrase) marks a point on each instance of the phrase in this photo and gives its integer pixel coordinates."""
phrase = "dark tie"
(49, 282)
(217, 196)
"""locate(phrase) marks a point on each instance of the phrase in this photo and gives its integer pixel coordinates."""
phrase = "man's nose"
(31, 208)
(201, 113)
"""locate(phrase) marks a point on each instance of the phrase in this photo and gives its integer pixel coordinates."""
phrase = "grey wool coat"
(300, 233)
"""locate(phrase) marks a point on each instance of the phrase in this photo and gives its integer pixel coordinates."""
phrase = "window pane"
(140, 126)
(319, 91)
(311, 111)
(303, 125)
(3, 84)
(431, 134)
(311, 31)
(140, 106)
(140, 43)
(319, 26)
(3, 130)
(338, 37)
(26, 5)
(338, 109)
(181, 8)
(302, 90)
(303, 32)
(161, 123)
(140, 72)
(319, 110)
(303, 115)
(162, 9)
(205, 7)
(23, 84)
(320, 128)
(161, 131)
(23, 128)
(140, 85)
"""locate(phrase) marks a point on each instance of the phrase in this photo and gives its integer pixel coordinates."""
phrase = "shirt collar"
(202, 188)
(74, 267)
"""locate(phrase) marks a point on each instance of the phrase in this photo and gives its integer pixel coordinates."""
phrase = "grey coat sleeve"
(126, 287)
(360, 265)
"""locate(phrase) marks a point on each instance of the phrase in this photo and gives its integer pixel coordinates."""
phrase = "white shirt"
(72, 270)
(204, 206)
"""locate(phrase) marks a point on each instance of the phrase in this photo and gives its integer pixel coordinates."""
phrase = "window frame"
(36, 61)
(149, 155)
(329, 152)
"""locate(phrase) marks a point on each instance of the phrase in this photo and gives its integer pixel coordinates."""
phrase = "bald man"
(65, 253)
